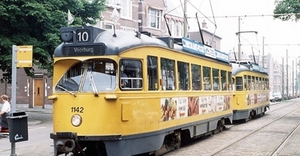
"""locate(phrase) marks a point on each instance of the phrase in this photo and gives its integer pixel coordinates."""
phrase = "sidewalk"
(36, 115)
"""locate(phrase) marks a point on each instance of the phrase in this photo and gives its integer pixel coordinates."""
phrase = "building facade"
(154, 17)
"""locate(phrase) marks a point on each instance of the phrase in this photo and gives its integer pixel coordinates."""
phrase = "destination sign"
(200, 49)
(84, 50)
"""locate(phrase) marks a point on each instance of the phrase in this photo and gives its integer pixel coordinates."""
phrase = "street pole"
(263, 52)
(287, 73)
(282, 77)
(185, 20)
(239, 39)
(13, 90)
(293, 86)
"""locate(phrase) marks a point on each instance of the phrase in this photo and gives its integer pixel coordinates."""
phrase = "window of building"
(126, 10)
(113, 2)
(179, 29)
(173, 26)
(108, 26)
(167, 29)
(154, 17)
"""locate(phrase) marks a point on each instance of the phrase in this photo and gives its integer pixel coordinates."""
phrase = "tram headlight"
(76, 120)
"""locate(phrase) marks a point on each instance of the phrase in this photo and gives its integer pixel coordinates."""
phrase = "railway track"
(277, 149)
(245, 138)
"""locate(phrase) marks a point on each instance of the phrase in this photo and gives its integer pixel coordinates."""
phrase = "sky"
(256, 16)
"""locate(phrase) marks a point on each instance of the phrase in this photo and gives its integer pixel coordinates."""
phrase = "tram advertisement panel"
(175, 108)
(256, 98)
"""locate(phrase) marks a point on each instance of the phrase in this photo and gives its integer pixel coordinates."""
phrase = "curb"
(35, 122)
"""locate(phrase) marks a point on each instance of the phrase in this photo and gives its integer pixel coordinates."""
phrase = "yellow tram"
(125, 93)
(251, 90)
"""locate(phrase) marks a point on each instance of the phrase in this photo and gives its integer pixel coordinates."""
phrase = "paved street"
(40, 126)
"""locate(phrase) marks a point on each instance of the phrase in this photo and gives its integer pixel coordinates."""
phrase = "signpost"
(21, 57)
(24, 56)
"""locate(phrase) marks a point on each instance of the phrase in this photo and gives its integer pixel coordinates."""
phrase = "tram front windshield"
(93, 75)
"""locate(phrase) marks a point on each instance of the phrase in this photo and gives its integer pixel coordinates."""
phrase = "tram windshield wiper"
(63, 88)
(92, 83)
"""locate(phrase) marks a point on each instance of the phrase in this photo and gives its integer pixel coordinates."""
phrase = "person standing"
(5, 110)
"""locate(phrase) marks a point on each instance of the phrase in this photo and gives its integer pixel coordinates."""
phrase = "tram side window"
(131, 74)
(216, 79)
(256, 83)
(168, 74)
(230, 81)
(249, 83)
(239, 83)
(253, 83)
(196, 77)
(259, 83)
(245, 83)
(223, 80)
(207, 78)
(262, 84)
(152, 73)
(267, 84)
(183, 75)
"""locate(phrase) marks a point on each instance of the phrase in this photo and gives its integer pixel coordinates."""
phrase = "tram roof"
(113, 42)
(240, 67)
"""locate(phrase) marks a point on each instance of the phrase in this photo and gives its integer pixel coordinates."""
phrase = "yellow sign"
(24, 56)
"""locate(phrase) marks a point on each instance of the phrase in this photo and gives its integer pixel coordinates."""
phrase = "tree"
(287, 9)
(37, 23)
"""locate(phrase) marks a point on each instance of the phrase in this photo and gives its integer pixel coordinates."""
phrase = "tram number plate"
(83, 35)
(77, 109)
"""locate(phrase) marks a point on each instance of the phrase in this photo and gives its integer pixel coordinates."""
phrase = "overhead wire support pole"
(239, 37)
(13, 90)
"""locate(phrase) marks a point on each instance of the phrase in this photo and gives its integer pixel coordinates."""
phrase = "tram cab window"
(207, 78)
(196, 77)
(130, 74)
(239, 83)
(167, 74)
(92, 75)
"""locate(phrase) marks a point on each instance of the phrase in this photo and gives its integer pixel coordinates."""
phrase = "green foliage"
(37, 23)
(287, 10)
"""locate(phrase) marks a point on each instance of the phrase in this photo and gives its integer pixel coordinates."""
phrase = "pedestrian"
(5, 110)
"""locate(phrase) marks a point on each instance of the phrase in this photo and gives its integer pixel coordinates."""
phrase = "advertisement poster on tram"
(181, 107)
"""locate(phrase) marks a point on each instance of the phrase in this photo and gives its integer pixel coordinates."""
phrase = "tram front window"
(89, 76)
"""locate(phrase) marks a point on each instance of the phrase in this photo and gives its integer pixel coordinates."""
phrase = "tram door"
(38, 92)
